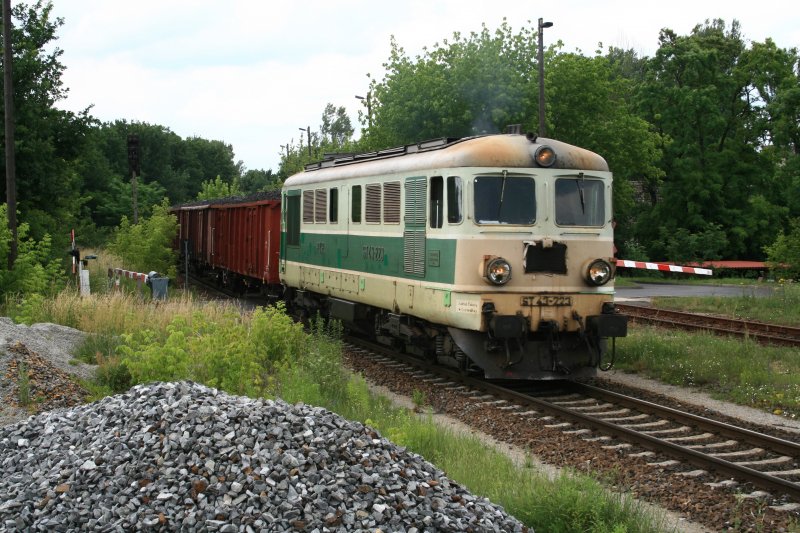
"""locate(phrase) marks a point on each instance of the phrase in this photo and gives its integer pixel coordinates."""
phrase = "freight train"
(492, 254)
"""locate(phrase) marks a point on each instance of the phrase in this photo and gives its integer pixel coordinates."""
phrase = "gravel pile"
(182, 456)
(42, 353)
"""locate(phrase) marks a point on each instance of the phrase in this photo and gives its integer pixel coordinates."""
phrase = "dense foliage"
(147, 246)
(703, 137)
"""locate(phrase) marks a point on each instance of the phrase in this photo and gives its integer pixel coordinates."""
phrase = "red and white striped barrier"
(663, 267)
(120, 273)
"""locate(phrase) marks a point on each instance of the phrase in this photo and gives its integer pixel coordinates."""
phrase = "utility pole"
(8, 100)
(134, 166)
(540, 60)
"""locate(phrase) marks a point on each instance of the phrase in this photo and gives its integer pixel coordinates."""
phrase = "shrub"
(783, 256)
(147, 246)
(35, 271)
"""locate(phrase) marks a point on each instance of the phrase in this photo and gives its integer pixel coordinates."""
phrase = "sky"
(250, 73)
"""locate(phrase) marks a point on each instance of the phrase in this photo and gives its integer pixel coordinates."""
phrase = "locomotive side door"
(414, 229)
(290, 232)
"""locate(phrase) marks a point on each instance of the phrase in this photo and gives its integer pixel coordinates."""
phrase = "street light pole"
(540, 60)
(369, 109)
(307, 129)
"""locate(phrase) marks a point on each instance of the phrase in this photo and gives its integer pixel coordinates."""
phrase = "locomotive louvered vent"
(552, 259)
(308, 206)
(414, 234)
(391, 202)
(373, 205)
(415, 202)
(320, 204)
(414, 252)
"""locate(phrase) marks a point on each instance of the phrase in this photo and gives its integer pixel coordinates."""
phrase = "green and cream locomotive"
(492, 253)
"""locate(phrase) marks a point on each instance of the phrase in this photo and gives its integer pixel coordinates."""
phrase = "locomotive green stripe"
(373, 254)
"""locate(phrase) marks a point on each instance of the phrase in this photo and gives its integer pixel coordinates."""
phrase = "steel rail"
(696, 458)
(699, 459)
(761, 331)
(753, 437)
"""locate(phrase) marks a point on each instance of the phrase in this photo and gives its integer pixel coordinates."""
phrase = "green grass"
(570, 502)
(743, 372)
(687, 279)
(781, 307)
(264, 354)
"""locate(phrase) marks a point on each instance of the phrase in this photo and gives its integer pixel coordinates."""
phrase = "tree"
(590, 105)
(217, 189)
(698, 94)
(258, 180)
(783, 256)
(35, 271)
(336, 128)
(147, 246)
(48, 140)
(465, 86)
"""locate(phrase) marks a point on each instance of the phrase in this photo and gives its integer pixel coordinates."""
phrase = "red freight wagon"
(243, 237)
(192, 222)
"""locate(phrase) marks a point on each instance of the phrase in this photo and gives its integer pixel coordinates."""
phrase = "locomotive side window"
(391, 202)
(436, 201)
(373, 212)
(505, 200)
(333, 207)
(320, 204)
(454, 199)
(355, 208)
(308, 207)
(580, 202)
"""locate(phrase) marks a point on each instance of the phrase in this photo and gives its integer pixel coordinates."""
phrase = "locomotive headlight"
(599, 272)
(498, 271)
(545, 156)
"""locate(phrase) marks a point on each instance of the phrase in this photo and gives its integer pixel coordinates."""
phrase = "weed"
(419, 400)
(23, 385)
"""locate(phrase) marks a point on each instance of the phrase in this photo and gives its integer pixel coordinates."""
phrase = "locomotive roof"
(503, 151)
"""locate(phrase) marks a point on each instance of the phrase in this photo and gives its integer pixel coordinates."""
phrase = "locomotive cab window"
(454, 199)
(436, 201)
(505, 200)
(580, 202)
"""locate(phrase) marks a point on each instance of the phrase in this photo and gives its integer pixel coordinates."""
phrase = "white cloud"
(250, 73)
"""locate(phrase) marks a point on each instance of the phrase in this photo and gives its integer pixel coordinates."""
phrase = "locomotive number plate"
(544, 300)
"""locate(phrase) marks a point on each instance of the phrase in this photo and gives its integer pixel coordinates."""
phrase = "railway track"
(687, 444)
(675, 456)
(760, 331)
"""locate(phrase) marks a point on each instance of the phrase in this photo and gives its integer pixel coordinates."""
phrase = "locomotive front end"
(534, 282)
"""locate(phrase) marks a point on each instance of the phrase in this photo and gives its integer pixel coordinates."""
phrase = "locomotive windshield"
(580, 202)
(505, 200)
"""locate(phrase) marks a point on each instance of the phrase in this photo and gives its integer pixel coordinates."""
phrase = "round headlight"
(498, 271)
(545, 156)
(599, 272)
